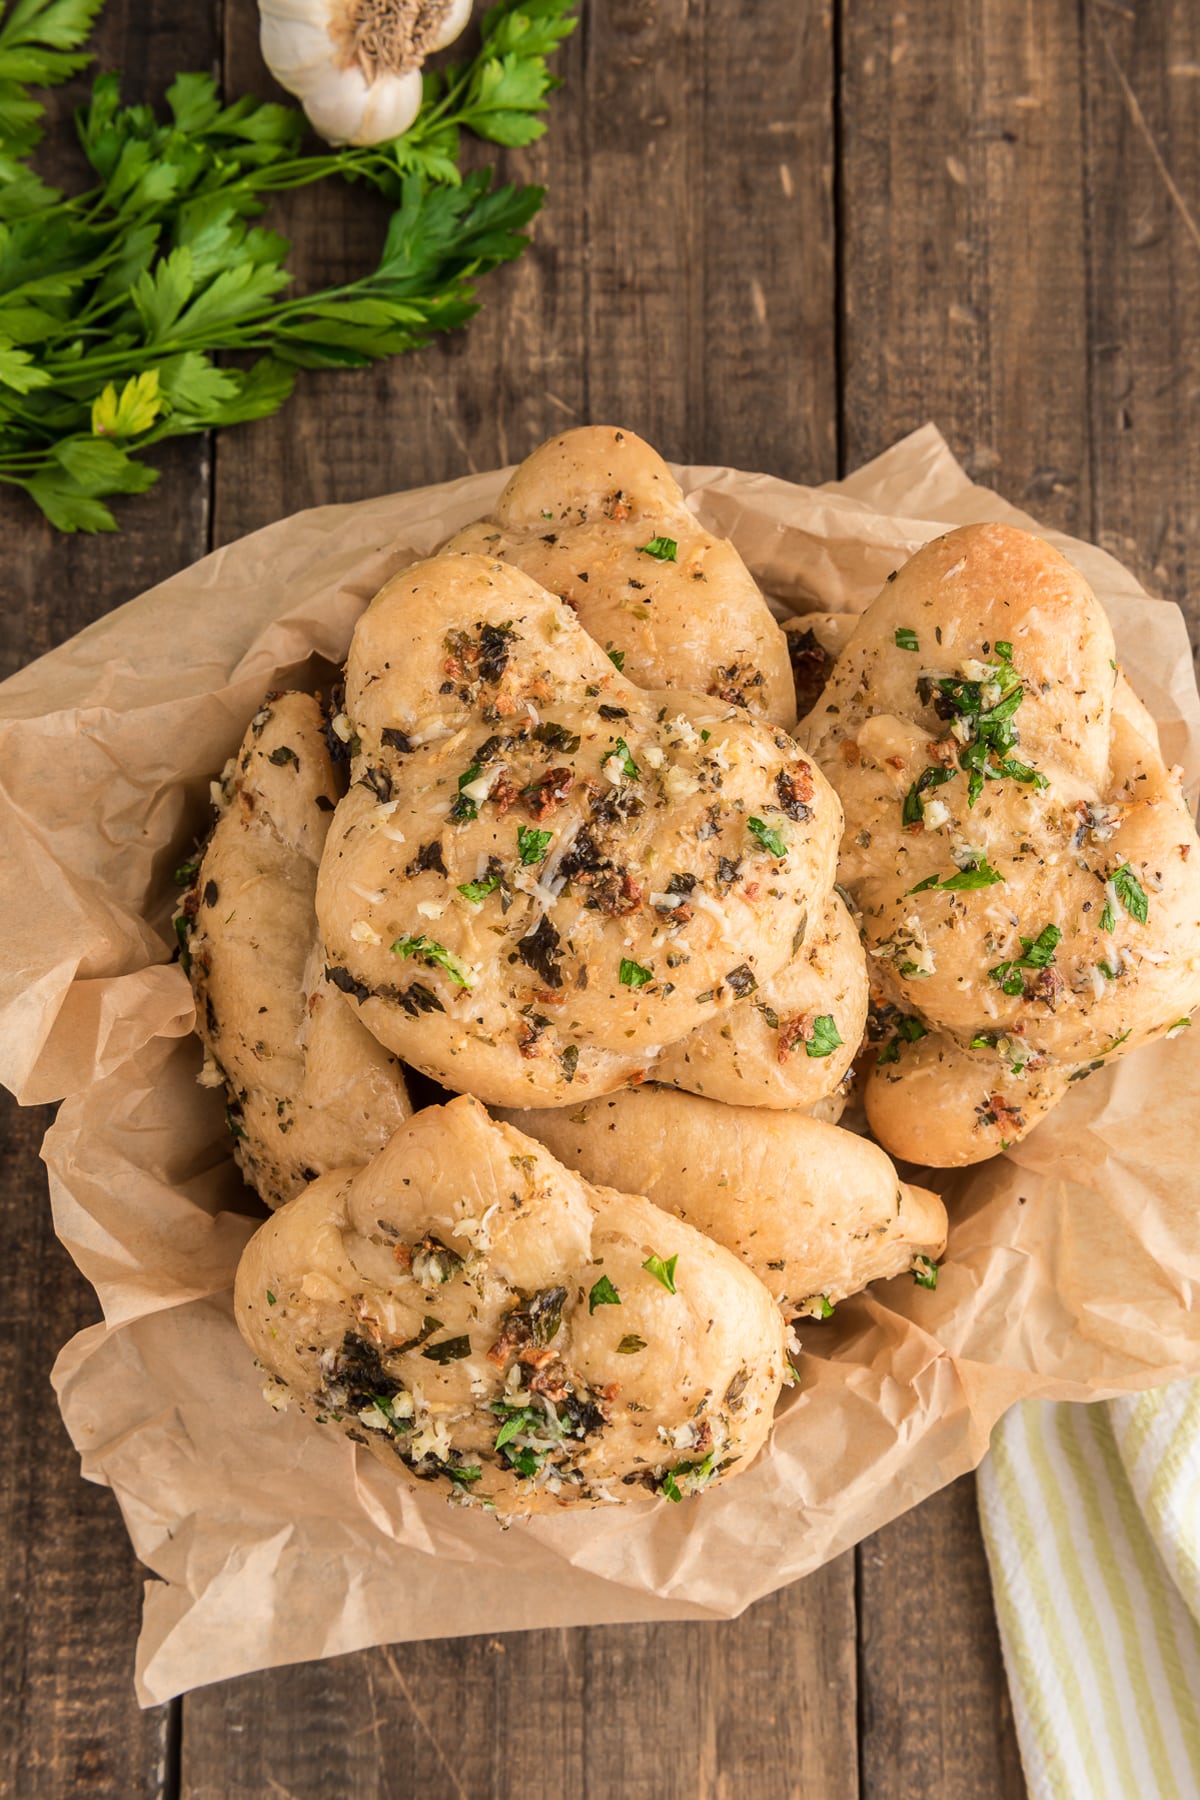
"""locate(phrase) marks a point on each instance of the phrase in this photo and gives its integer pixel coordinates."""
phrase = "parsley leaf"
(477, 891)
(924, 1269)
(114, 303)
(1131, 893)
(450, 1350)
(1108, 918)
(912, 811)
(772, 841)
(1036, 953)
(825, 1037)
(633, 974)
(978, 873)
(617, 659)
(434, 956)
(531, 844)
(663, 1272)
(662, 549)
(629, 1346)
(603, 1294)
(906, 638)
(625, 757)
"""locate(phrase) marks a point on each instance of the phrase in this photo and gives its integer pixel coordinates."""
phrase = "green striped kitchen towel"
(1091, 1517)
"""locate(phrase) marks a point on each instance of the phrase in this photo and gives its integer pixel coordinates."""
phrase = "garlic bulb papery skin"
(355, 65)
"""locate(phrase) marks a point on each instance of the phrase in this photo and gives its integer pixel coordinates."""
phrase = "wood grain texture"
(763, 1706)
(963, 288)
(54, 585)
(1143, 138)
(70, 1586)
(935, 1718)
(654, 297)
(962, 243)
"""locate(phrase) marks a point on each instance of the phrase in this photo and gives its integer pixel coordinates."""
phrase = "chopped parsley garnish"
(909, 1030)
(532, 845)
(772, 841)
(991, 732)
(694, 1476)
(1179, 1025)
(1131, 893)
(1108, 918)
(627, 763)
(434, 955)
(283, 753)
(629, 1346)
(270, 1298)
(924, 1269)
(634, 974)
(462, 1473)
(617, 659)
(464, 808)
(517, 1419)
(477, 891)
(525, 1460)
(662, 549)
(978, 873)
(185, 874)
(449, 1350)
(603, 1294)
(428, 1326)
(821, 1306)
(913, 810)
(663, 1272)
(1036, 953)
(825, 1037)
(556, 737)
(570, 1061)
(906, 638)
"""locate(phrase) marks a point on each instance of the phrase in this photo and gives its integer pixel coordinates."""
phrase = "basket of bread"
(634, 1023)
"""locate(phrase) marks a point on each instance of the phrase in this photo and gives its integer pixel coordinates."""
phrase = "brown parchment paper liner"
(1074, 1262)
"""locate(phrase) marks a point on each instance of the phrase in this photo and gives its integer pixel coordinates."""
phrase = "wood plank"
(963, 300)
(681, 284)
(1143, 88)
(70, 1587)
(763, 1706)
(963, 257)
(935, 1714)
(59, 584)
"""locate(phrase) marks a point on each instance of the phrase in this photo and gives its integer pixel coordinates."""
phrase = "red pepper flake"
(504, 793)
(796, 1031)
(545, 795)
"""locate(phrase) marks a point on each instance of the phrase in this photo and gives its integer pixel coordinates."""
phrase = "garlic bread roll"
(1026, 867)
(309, 1089)
(481, 1318)
(596, 516)
(542, 875)
(815, 1211)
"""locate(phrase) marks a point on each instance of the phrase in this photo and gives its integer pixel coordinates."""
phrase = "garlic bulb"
(355, 65)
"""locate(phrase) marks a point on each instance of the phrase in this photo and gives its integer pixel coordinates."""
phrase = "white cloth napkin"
(1091, 1518)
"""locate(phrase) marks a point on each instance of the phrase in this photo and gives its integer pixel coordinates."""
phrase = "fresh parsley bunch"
(115, 303)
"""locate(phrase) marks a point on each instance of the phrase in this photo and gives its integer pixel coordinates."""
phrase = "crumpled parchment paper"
(1074, 1261)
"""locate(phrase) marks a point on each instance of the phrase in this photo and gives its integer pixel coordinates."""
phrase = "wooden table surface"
(778, 235)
